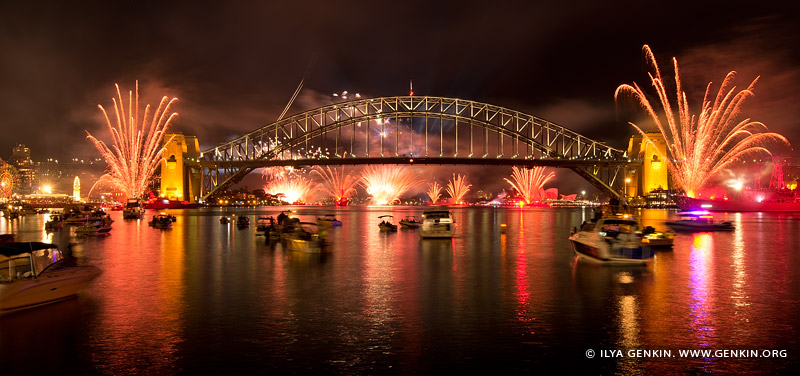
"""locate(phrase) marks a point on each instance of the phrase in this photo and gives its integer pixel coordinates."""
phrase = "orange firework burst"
(336, 183)
(434, 192)
(137, 148)
(457, 188)
(387, 183)
(529, 182)
(700, 146)
(294, 188)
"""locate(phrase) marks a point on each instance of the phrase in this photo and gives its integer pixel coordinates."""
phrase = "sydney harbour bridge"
(419, 130)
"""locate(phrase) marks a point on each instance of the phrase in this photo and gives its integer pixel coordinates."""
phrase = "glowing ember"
(387, 183)
(137, 148)
(294, 188)
(434, 192)
(457, 188)
(529, 182)
(700, 146)
(336, 183)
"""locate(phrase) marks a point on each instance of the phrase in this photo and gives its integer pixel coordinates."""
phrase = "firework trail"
(457, 188)
(294, 188)
(336, 183)
(387, 183)
(700, 146)
(529, 182)
(434, 192)
(137, 148)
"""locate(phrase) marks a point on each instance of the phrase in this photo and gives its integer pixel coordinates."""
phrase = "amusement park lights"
(705, 143)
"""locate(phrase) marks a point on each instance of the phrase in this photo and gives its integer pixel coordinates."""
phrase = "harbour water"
(203, 297)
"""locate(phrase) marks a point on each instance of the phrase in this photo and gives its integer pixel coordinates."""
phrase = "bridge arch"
(412, 129)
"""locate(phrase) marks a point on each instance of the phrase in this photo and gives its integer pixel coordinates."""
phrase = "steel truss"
(412, 129)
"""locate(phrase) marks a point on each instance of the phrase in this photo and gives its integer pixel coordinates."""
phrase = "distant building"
(21, 160)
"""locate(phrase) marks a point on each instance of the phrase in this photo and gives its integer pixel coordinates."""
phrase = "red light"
(410, 160)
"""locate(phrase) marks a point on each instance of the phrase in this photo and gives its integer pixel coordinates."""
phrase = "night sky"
(234, 65)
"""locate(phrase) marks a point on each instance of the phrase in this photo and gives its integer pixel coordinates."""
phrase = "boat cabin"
(26, 260)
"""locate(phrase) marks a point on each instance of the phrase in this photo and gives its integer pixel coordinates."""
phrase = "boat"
(55, 222)
(386, 223)
(750, 202)
(96, 229)
(409, 221)
(242, 221)
(328, 220)
(161, 221)
(657, 239)
(161, 204)
(33, 274)
(342, 201)
(698, 221)
(133, 209)
(265, 226)
(225, 220)
(437, 223)
(307, 238)
(611, 240)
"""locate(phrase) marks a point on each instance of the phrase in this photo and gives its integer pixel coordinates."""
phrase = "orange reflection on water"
(523, 293)
(142, 286)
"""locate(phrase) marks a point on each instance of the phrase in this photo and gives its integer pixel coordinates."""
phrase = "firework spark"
(529, 182)
(700, 146)
(434, 192)
(137, 148)
(336, 183)
(294, 188)
(457, 188)
(387, 183)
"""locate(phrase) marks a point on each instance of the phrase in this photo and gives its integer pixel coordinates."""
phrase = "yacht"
(33, 274)
(611, 240)
(698, 221)
(133, 209)
(437, 223)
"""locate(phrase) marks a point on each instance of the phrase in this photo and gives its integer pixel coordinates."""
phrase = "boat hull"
(50, 287)
(688, 203)
(594, 253)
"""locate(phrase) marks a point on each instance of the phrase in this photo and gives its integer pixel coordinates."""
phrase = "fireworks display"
(434, 192)
(336, 183)
(457, 188)
(387, 183)
(293, 188)
(137, 148)
(529, 182)
(700, 146)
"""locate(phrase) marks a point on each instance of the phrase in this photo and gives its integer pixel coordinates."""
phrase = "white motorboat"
(437, 223)
(612, 240)
(133, 209)
(33, 274)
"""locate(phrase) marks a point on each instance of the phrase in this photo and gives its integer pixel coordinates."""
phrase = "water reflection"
(701, 277)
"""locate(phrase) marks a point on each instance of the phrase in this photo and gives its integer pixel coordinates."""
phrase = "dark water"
(207, 298)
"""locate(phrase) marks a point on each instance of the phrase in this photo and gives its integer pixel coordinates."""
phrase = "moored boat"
(242, 221)
(437, 223)
(133, 209)
(386, 224)
(161, 221)
(307, 238)
(611, 241)
(698, 221)
(33, 274)
(328, 220)
(410, 221)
